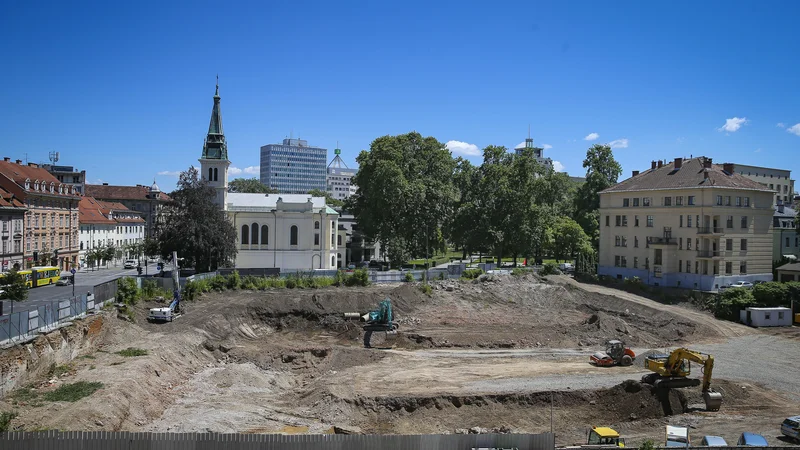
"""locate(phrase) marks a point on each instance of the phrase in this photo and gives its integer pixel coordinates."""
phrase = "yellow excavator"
(672, 371)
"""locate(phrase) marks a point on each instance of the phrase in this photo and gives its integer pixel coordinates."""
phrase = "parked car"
(65, 280)
(566, 267)
(791, 428)
(748, 439)
(742, 284)
(677, 437)
(713, 441)
(130, 264)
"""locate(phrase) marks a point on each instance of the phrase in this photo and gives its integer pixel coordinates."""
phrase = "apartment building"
(688, 223)
(149, 202)
(786, 239)
(12, 216)
(777, 180)
(51, 222)
(108, 224)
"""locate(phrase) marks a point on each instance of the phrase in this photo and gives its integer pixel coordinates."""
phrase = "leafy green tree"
(405, 194)
(197, 228)
(14, 286)
(150, 247)
(567, 239)
(108, 254)
(249, 186)
(329, 200)
(602, 172)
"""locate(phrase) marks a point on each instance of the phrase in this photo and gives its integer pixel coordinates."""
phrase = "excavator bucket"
(713, 400)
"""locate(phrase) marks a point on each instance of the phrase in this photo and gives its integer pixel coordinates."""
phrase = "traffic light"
(139, 269)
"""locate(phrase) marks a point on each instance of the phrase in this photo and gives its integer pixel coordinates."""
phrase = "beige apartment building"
(689, 223)
(777, 180)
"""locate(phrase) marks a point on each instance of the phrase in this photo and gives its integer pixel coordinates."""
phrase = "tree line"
(415, 198)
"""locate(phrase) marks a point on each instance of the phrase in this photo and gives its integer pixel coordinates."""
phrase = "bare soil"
(472, 354)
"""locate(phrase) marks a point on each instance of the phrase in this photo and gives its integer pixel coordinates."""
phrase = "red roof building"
(149, 201)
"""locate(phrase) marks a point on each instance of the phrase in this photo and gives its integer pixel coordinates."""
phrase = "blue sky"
(125, 90)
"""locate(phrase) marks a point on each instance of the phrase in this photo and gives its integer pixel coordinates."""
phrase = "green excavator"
(380, 320)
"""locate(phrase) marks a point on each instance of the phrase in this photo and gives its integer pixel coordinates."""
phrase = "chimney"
(7, 159)
(652, 165)
(635, 172)
(34, 165)
(660, 163)
(728, 167)
(19, 161)
(707, 163)
(678, 163)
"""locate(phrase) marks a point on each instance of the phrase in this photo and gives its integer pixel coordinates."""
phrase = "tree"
(249, 186)
(602, 172)
(150, 247)
(108, 254)
(197, 228)
(405, 194)
(330, 201)
(14, 286)
(567, 238)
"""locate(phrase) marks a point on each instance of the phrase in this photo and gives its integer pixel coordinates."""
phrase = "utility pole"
(551, 411)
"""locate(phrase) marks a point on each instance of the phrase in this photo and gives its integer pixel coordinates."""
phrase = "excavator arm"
(677, 357)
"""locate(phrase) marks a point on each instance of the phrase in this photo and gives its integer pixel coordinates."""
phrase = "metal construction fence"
(23, 326)
(100, 440)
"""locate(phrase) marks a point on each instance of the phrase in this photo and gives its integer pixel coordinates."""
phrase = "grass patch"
(131, 352)
(425, 288)
(5, 420)
(87, 357)
(73, 392)
(24, 395)
(59, 371)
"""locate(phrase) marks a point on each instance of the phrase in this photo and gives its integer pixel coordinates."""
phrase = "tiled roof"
(91, 211)
(691, 174)
(18, 173)
(9, 200)
(787, 212)
(108, 192)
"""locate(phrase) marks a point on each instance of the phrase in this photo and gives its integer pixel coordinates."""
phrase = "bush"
(132, 352)
(425, 288)
(127, 292)
(471, 274)
(217, 283)
(191, 290)
(647, 445)
(73, 392)
(519, 271)
(233, 281)
(409, 277)
(149, 288)
(550, 269)
(359, 277)
(441, 276)
(5, 420)
(771, 294)
(731, 301)
(634, 284)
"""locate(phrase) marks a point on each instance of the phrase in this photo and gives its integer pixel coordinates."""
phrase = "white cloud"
(252, 170)
(591, 137)
(463, 148)
(794, 129)
(233, 170)
(558, 167)
(619, 143)
(732, 125)
(781, 125)
(546, 146)
(169, 173)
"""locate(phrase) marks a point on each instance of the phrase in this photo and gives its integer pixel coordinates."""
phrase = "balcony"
(710, 254)
(661, 240)
(710, 230)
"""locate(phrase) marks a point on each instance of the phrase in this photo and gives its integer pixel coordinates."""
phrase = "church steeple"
(215, 146)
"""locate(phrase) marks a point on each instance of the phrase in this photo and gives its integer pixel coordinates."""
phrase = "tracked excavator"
(673, 370)
(379, 320)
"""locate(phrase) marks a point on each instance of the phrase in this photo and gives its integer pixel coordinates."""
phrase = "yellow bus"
(41, 276)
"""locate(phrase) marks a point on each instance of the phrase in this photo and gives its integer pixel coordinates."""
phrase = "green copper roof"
(329, 210)
(215, 146)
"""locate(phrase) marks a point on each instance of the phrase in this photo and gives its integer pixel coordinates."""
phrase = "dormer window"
(52, 187)
(71, 189)
(60, 188)
(36, 185)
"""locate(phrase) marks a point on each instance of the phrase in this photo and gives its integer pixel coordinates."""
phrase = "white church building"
(285, 231)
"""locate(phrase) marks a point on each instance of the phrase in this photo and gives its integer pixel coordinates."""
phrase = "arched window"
(215, 174)
(338, 239)
(339, 262)
(245, 235)
(264, 235)
(210, 174)
(81, 245)
(254, 234)
(333, 261)
(293, 235)
(316, 225)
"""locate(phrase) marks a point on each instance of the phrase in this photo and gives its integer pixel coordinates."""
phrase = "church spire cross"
(215, 146)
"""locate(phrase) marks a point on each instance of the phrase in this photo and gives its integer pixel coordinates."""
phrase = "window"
(680, 245)
(679, 201)
(617, 241)
(688, 266)
(618, 220)
(747, 201)
(690, 200)
(616, 260)
(680, 221)
(625, 202)
(623, 261)
(697, 243)
(728, 268)
(254, 234)
(636, 241)
(646, 201)
(689, 221)
(667, 201)
(624, 241)
(680, 266)
(316, 238)
(245, 235)
(727, 200)
(719, 200)
(216, 172)
(647, 263)
(738, 201)
(696, 267)
(743, 267)
(624, 221)
(697, 221)
(689, 244)
(607, 219)
(744, 222)
(293, 235)
(649, 221)
(339, 239)
(787, 241)
(780, 315)
(729, 222)
(658, 257)
(635, 262)
(210, 174)
(729, 245)
(636, 202)
(316, 225)
(264, 235)
(636, 221)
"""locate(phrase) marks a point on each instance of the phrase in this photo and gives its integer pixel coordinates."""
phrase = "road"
(85, 280)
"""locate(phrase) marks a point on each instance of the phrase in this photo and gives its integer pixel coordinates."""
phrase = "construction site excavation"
(518, 354)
